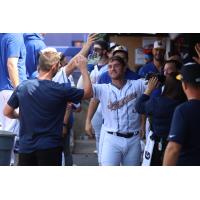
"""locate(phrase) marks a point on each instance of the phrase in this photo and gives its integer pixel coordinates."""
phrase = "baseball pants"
(120, 151)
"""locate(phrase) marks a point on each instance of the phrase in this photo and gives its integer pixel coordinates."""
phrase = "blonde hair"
(48, 59)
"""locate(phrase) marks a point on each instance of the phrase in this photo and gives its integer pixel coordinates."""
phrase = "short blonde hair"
(48, 59)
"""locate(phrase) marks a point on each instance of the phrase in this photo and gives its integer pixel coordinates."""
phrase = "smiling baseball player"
(122, 124)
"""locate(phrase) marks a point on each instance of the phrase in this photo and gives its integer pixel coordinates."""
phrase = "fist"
(81, 61)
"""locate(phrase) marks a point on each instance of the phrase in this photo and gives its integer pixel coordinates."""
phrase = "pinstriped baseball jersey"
(118, 105)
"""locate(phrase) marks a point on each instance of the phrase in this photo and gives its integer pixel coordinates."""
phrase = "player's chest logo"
(120, 103)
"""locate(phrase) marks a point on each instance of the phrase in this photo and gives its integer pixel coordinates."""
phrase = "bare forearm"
(87, 86)
(171, 155)
(93, 105)
(85, 50)
(13, 71)
(13, 115)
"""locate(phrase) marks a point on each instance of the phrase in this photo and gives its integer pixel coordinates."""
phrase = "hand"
(69, 106)
(81, 62)
(152, 84)
(89, 129)
(91, 38)
(197, 48)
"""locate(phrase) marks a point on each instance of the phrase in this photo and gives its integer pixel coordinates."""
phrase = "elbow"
(6, 112)
(88, 94)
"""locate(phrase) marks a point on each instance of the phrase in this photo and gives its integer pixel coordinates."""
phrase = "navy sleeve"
(178, 128)
(144, 105)
(14, 101)
(74, 95)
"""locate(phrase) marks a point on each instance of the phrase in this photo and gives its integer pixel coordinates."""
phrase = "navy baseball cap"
(190, 73)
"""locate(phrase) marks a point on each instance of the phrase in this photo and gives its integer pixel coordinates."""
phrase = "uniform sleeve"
(178, 128)
(145, 105)
(141, 86)
(97, 91)
(14, 101)
(13, 48)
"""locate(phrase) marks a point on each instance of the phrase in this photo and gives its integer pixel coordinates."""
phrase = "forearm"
(93, 105)
(69, 68)
(171, 155)
(85, 50)
(67, 115)
(87, 85)
(13, 71)
(13, 115)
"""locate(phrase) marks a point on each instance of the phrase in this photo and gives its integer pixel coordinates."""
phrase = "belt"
(125, 135)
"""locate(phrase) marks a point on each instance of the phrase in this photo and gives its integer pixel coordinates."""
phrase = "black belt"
(125, 135)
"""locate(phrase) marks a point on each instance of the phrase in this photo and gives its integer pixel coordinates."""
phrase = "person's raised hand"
(152, 84)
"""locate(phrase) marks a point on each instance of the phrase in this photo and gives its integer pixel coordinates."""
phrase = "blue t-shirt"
(161, 109)
(42, 106)
(34, 44)
(12, 46)
(185, 130)
(129, 75)
(147, 68)
(150, 68)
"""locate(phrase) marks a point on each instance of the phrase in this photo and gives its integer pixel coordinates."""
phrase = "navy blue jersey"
(161, 109)
(185, 130)
(42, 106)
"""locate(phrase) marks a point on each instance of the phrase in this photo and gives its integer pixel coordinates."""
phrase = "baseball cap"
(158, 44)
(112, 45)
(190, 73)
(120, 48)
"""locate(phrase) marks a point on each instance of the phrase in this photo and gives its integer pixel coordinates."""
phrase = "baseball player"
(121, 142)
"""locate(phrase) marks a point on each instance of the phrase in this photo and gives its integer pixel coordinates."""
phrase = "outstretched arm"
(81, 63)
(86, 47)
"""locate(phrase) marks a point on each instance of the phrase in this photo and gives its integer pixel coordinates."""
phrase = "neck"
(158, 64)
(103, 61)
(119, 83)
(193, 94)
(45, 75)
